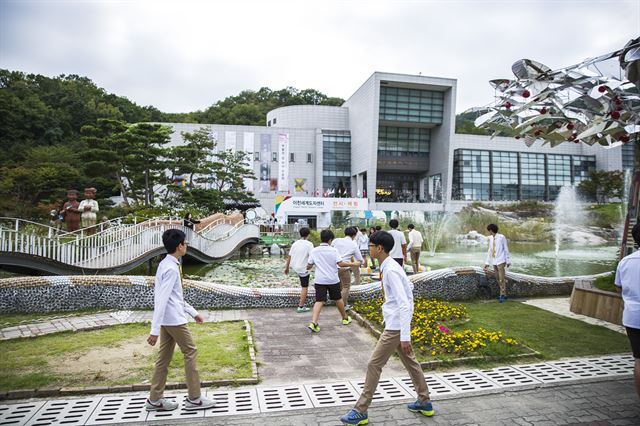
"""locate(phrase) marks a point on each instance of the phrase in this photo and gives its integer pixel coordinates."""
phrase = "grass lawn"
(118, 355)
(605, 283)
(552, 335)
(10, 320)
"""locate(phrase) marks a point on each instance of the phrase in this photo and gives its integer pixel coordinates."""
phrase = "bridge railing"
(111, 247)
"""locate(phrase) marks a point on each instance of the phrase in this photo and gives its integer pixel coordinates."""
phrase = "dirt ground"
(108, 363)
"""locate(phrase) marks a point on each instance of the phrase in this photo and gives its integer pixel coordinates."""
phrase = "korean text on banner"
(265, 165)
(283, 162)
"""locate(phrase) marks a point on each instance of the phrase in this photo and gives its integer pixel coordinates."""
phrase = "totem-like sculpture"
(89, 209)
(70, 211)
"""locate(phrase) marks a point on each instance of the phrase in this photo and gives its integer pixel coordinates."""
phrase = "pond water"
(533, 259)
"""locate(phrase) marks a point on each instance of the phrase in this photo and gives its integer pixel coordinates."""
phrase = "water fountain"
(566, 211)
(434, 225)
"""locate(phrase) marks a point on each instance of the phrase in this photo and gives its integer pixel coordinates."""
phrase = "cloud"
(183, 56)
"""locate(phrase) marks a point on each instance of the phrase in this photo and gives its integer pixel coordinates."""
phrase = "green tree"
(106, 152)
(144, 164)
(602, 185)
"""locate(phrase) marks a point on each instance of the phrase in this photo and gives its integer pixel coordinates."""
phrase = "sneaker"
(424, 408)
(160, 405)
(348, 307)
(502, 299)
(353, 418)
(314, 327)
(302, 309)
(346, 321)
(201, 403)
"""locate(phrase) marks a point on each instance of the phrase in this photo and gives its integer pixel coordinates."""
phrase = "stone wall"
(55, 293)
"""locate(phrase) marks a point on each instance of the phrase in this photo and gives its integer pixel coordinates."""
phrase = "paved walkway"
(592, 404)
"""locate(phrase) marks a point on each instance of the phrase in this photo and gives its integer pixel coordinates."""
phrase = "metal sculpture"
(595, 101)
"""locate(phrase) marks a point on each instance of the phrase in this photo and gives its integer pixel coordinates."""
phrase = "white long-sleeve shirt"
(347, 249)
(628, 279)
(170, 308)
(415, 239)
(397, 309)
(498, 252)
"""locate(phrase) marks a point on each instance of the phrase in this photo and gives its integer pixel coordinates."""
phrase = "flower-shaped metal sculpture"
(595, 101)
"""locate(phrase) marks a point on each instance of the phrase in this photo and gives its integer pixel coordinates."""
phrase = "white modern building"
(393, 142)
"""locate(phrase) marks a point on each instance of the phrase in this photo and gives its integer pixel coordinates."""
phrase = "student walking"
(298, 259)
(363, 245)
(498, 257)
(348, 250)
(628, 284)
(399, 251)
(170, 323)
(397, 312)
(327, 259)
(414, 247)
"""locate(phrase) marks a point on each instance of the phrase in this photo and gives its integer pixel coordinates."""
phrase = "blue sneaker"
(502, 299)
(353, 418)
(424, 408)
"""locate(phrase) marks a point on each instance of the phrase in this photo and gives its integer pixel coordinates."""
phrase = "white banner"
(230, 141)
(248, 157)
(318, 205)
(283, 162)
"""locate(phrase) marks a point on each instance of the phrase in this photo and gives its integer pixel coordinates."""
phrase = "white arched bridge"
(116, 247)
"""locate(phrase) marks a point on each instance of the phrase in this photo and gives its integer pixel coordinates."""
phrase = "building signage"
(248, 158)
(318, 205)
(265, 162)
(283, 162)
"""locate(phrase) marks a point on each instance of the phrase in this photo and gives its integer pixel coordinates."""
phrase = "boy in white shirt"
(298, 259)
(397, 312)
(399, 250)
(170, 323)
(348, 249)
(414, 247)
(628, 285)
(327, 259)
(498, 256)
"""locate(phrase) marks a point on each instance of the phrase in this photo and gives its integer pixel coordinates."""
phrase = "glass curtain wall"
(508, 176)
(411, 105)
(336, 163)
(532, 172)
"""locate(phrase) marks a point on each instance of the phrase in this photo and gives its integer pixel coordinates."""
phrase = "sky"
(182, 56)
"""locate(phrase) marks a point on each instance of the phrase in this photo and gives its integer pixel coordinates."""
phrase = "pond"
(533, 259)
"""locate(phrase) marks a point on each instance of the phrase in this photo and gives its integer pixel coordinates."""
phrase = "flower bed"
(437, 331)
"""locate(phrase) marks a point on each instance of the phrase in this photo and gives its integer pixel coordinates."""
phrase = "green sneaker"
(314, 327)
(302, 309)
(346, 321)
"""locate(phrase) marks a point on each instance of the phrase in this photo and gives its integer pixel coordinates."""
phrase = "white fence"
(118, 244)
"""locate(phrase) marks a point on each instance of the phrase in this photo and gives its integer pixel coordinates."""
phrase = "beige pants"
(499, 270)
(345, 283)
(356, 275)
(169, 336)
(415, 255)
(390, 342)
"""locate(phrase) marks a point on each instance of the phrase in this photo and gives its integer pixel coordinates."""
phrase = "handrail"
(117, 245)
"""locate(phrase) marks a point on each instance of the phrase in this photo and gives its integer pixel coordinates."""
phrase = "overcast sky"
(182, 56)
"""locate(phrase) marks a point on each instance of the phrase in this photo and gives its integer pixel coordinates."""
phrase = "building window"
(411, 105)
(309, 158)
(403, 141)
(274, 120)
(269, 123)
(292, 157)
(274, 156)
(336, 162)
(504, 176)
(471, 175)
(256, 156)
(532, 175)
(559, 173)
